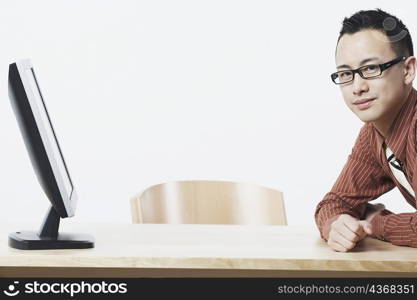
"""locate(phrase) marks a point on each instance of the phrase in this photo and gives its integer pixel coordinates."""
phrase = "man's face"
(387, 90)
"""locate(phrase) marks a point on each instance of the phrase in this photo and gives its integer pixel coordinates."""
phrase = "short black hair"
(388, 24)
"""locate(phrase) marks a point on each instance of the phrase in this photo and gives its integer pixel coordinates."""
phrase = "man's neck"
(383, 125)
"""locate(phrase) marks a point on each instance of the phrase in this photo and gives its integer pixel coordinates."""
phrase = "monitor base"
(30, 240)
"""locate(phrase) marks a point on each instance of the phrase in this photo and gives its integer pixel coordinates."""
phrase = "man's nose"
(360, 85)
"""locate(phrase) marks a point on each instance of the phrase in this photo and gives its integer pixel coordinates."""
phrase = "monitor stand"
(48, 237)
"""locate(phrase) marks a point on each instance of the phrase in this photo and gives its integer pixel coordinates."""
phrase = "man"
(375, 71)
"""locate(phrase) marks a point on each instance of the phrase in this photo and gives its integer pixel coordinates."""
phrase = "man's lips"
(361, 101)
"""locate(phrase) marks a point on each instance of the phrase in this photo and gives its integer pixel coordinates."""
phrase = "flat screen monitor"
(48, 162)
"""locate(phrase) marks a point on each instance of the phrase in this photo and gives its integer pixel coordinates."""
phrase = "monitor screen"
(48, 134)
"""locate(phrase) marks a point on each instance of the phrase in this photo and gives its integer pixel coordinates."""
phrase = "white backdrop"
(145, 92)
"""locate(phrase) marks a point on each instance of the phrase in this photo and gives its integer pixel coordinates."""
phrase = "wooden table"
(157, 250)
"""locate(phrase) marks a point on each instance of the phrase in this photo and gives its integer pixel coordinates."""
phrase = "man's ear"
(410, 69)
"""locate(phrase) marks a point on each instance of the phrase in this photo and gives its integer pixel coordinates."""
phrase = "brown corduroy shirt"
(367, 175)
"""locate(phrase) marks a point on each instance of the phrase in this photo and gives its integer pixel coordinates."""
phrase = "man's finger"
(348, 234)
(353, 225)
(336, 246)
(366, 227)
(340, 239)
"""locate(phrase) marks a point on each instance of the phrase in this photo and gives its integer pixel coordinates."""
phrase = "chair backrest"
(209, 202)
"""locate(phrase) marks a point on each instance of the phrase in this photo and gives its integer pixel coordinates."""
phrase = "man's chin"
(366, 117)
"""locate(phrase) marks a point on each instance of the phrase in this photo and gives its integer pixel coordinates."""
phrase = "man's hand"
(346, 231)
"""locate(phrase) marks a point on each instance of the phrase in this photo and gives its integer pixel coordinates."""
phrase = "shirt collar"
(394, 139)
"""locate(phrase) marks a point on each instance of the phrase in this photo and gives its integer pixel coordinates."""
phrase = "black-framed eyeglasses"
(367, 71)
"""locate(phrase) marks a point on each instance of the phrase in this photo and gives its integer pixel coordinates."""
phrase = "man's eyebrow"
(361, 63)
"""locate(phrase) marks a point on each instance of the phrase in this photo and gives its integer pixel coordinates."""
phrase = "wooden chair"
(209, 202)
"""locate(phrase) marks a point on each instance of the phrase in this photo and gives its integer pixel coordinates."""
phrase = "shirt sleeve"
(362, 180)
(398, 229)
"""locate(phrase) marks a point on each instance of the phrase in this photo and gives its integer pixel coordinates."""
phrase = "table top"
(208, 247)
